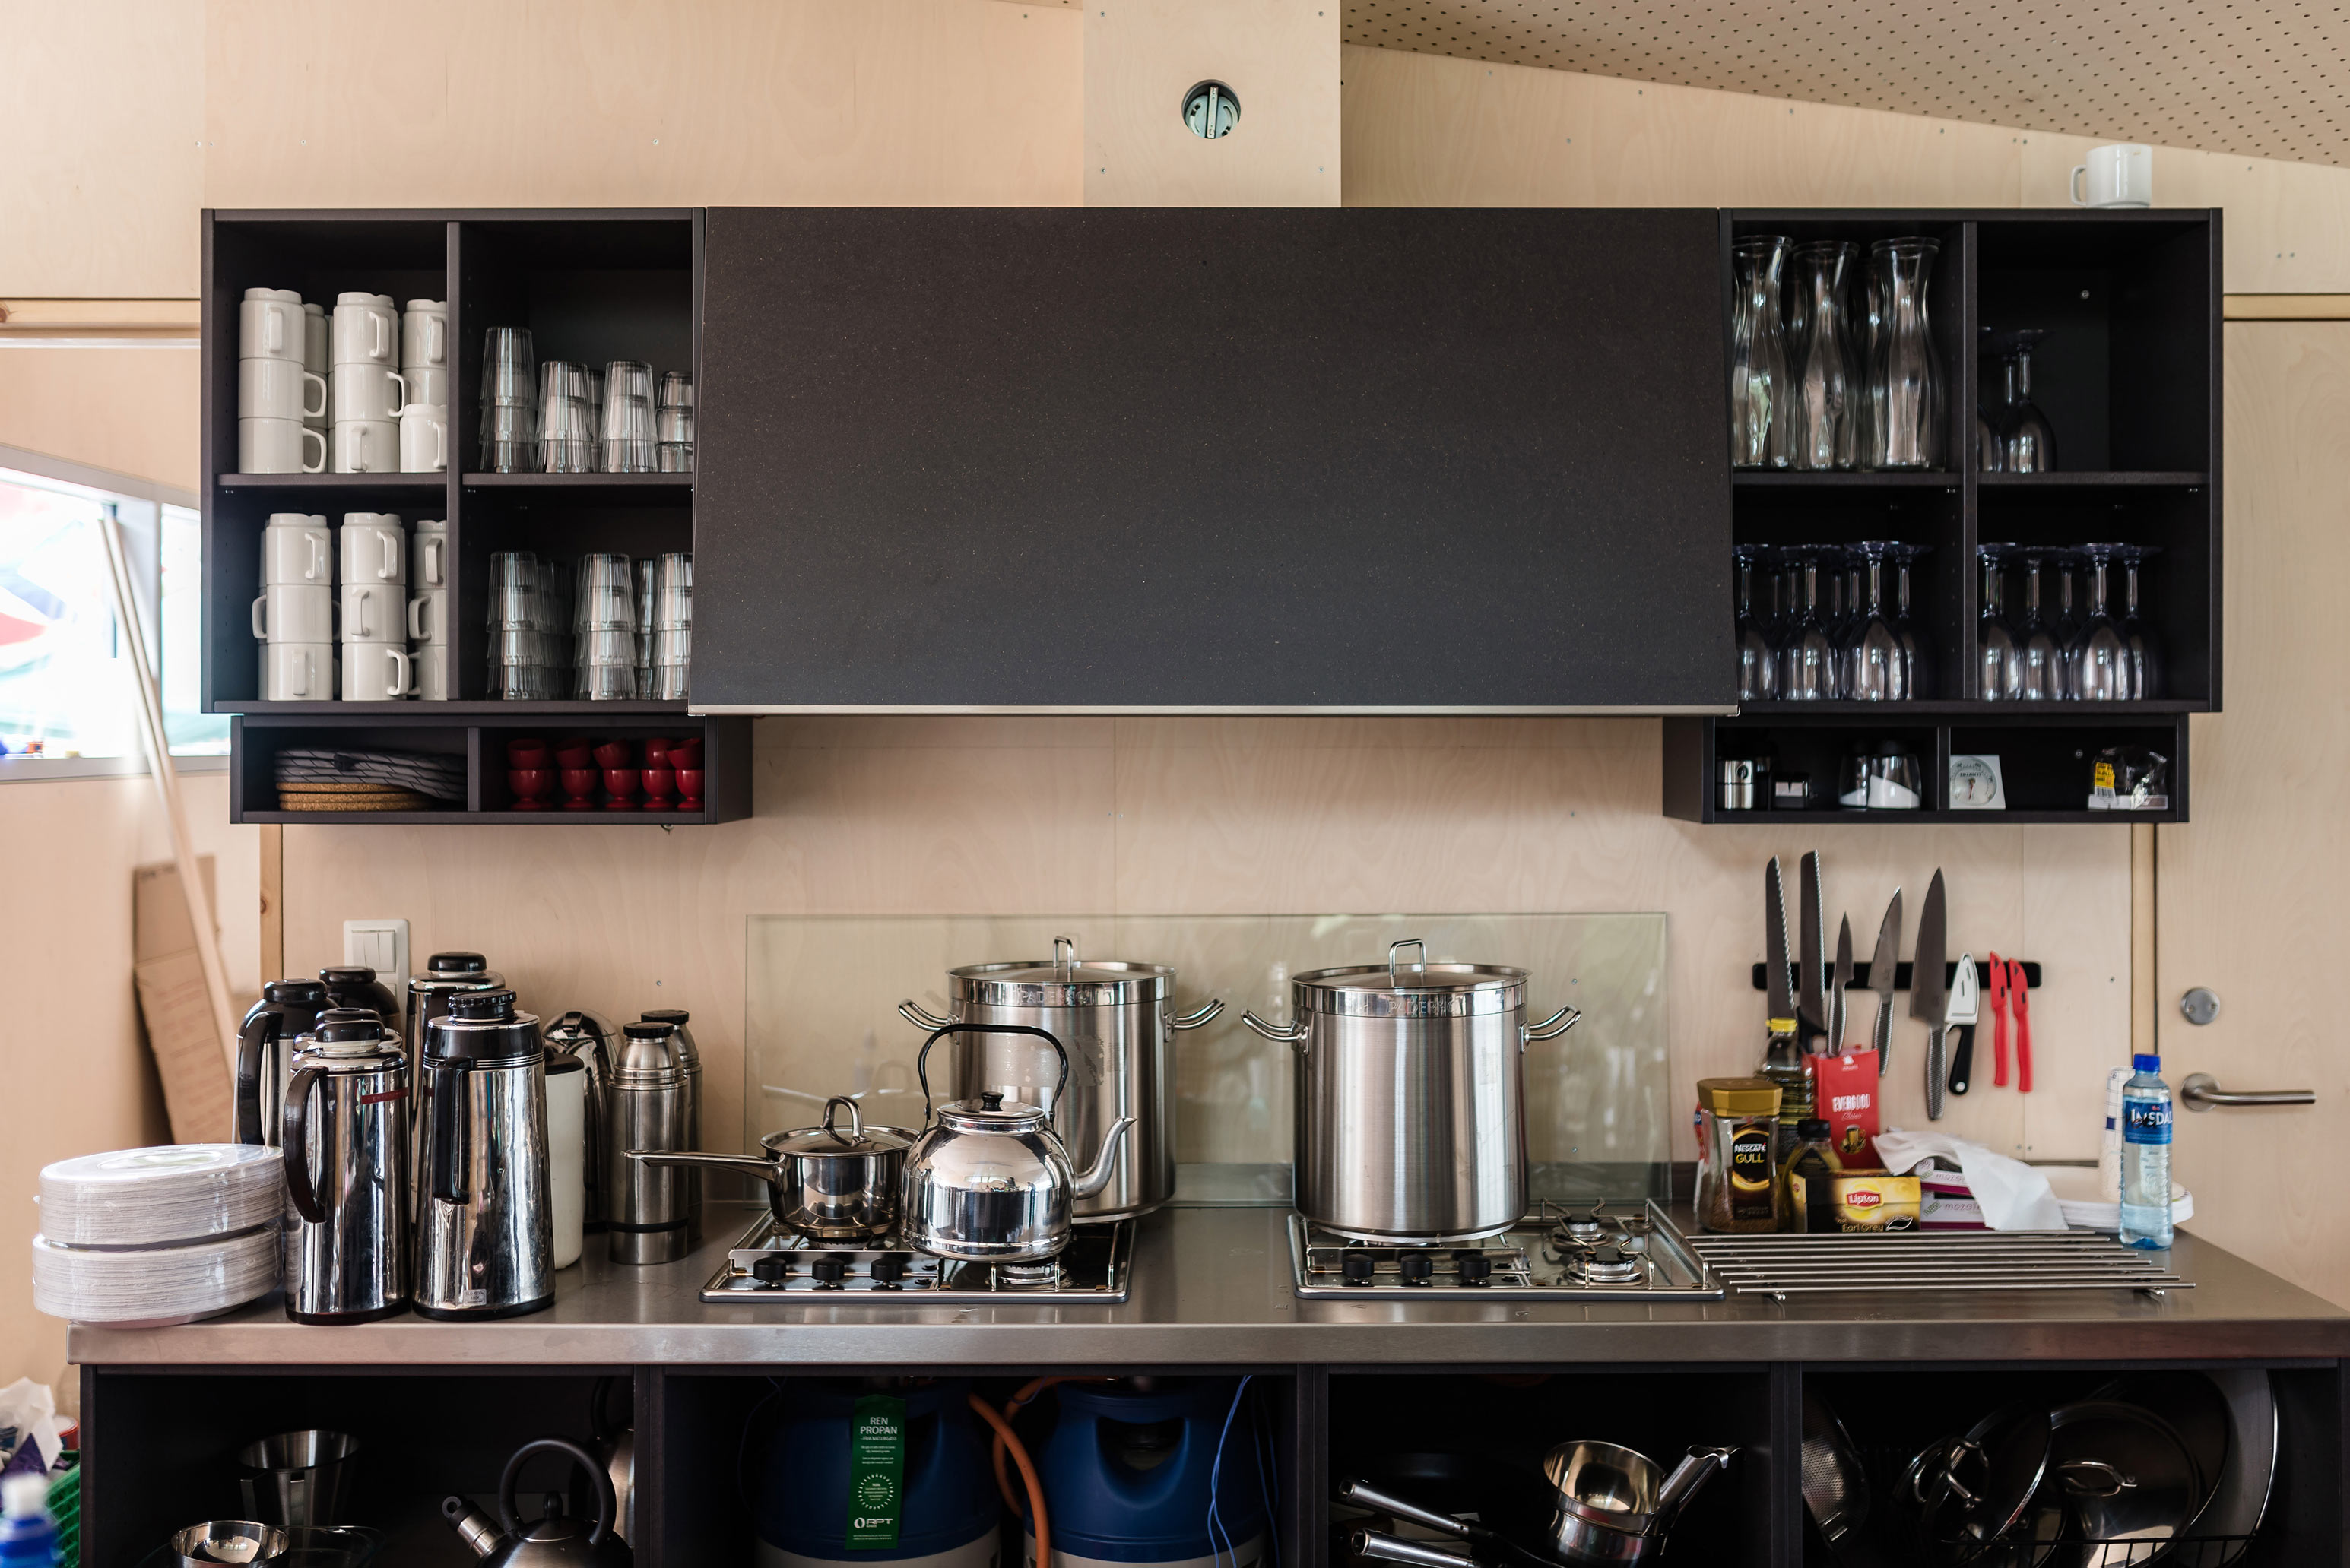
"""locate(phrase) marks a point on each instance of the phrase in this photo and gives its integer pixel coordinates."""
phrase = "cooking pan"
(824, 1183)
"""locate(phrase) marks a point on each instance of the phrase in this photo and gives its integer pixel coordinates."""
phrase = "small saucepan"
(824, 1182)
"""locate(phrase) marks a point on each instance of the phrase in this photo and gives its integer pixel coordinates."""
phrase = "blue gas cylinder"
(1126, 1475)
(948, 1514)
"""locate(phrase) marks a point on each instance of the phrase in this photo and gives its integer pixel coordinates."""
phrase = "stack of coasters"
(313, 779)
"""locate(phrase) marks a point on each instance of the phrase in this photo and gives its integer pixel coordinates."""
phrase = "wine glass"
(1999, 668)
(2145, 653)
(1917, 648)
(2029, 444)
(1758, 665)
(2067, 622)
(2039, 656)
(1807, 657)
(1870, 650)
(1991, 452)
(2101, 670)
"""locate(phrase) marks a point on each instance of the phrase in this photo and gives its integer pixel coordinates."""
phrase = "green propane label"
(877, 1469)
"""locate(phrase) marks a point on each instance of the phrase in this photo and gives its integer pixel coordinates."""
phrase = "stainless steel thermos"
(486, 1237)
(345, 1132)
(689, 1059)
(264, 1049)
(647, 1101)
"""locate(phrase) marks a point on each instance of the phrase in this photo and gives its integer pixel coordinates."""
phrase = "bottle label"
(2145, 1121)
(877, 1469)
(1751, 1197)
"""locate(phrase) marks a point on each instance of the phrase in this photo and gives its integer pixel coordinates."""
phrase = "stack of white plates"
(151, 1236)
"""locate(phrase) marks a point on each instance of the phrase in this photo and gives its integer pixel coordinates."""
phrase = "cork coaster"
(379, 799)
(355, 786)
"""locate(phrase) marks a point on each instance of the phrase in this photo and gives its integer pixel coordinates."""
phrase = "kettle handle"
(606, 1504)
(922, 1060)
(301, 1189)
(446, 1157)
(261, 1031)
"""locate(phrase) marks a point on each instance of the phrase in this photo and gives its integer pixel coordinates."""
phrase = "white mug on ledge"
(2121, 175)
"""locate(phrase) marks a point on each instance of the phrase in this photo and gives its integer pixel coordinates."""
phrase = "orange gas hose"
(1005, 1438)
(1011, 1409)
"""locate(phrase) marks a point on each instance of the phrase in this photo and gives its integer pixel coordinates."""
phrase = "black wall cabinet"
(1221, 460)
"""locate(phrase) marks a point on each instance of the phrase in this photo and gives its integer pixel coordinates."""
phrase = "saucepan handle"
(1366, 1496)
(771, 1171)
(1692, 1473)
(1383, 1548)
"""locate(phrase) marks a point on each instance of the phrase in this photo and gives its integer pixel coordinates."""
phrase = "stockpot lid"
(1399, 989)
(482, 1026)
(856, 1140)
(1062, 981)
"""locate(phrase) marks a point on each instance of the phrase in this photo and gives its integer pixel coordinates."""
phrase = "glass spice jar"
(1737, 1179)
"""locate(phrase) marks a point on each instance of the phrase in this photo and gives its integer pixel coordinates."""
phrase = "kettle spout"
(1094, 1180)
(474, 1526)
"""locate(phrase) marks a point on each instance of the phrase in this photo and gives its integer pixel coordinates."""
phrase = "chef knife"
(1928, 991)
(1966, 1006)
(1843, 985)
(1782, 980)
(1812, 936)
(1882, 968)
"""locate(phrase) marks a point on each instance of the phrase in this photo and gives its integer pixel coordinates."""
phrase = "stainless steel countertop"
(1211, 1287)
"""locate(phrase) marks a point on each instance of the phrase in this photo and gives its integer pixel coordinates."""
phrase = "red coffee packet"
(1844, 1088)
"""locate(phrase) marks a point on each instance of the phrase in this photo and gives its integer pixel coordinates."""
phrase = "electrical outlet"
(382, 945)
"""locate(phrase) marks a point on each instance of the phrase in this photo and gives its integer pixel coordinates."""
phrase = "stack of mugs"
(672, 626)
(529, 628)
(370, 390)
(605, 631)
(276, 401)
(424, 372)
(295, 617)
(376, 667)
(509, 401)
(318, 357)
(428, 608)
(673, 423)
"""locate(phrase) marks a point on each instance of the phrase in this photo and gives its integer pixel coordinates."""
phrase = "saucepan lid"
(831, 1140)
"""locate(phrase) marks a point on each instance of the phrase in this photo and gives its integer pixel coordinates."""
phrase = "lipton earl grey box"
(1859, 1201)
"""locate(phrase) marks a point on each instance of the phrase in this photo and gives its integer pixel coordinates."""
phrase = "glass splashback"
(821, 1018)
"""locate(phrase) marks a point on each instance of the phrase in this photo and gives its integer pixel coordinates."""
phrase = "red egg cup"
(527, 754)
(689, 789)
(531, 786)
(685, 753)
(579, 788)
(619, 789)
(657, 752)
(575, 757)
(659, 784)
(614, 754)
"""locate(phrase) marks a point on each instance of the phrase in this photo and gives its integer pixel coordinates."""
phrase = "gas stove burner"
(1582, 1227)
(1029, 1276)
(769, 1265)
(1605, 1265)
(1586, 1253)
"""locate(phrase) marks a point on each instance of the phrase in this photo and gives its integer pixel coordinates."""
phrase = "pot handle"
(1363, 1495)
(1291, 1034)
(922, 1060)
(1064, 945)
(768, 1171)
(1395, 948)
(1382, 1548)
(293, 1137)
(606, 1504)
(1550, 1028)
(856, 1123)
(920, 1017)
(1194, 1018)
(260, 1032)
(1692, 1473)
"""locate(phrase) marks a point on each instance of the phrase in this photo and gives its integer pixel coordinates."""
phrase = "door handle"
(2201, 1092)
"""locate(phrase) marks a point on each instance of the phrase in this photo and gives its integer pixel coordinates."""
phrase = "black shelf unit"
(593, 285)
(2130, 380)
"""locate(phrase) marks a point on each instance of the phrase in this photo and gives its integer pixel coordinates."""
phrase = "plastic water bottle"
(2146, 1155)
(28, 1537)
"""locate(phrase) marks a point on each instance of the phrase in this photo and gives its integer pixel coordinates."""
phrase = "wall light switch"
(382, 945)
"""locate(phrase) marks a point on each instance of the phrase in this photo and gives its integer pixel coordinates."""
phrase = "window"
(67, 702)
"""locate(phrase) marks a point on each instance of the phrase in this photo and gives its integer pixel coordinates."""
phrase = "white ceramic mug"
(2121, 175)
(277, 446)
(315, 355)
(426, 384)
(367, 446)
(297, 548)
(277, 389)
(427, 617)
(423, 439)
(429, 554)
(424, 335)
(269, 325)
(369, 393)
(376, 673)
(431, 671)
(374, 612)
(366, 331)
(373, 549)
(297, 672)
(295, 612)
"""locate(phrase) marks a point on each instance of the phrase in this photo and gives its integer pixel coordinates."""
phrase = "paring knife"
(1928, 991)
(1966, 1006)
(1881, 967)
(1812, 937)
(1780, 976)
(1836, 1015)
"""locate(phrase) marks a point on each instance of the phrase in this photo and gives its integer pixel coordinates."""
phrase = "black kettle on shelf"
(554, 1540)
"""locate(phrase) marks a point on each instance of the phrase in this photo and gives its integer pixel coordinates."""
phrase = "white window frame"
(142, 503)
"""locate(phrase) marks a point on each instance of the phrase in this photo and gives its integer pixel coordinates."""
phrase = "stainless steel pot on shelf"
(1411, 1121)
(1117, 1021)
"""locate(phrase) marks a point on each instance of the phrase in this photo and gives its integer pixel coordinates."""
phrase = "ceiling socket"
(1210, 110)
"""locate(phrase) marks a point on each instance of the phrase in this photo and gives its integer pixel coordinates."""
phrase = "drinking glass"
(1904, 376)
(2101, 660)
(509, 401)
(628, 417)
(1870, 650)
(1999, 668)
(607, 597)
(673, 423)
(2144, 654)
(519, 586)
(1758, 668)
(2039, 656)
(567, 433)
(1916, 647)
(2027, 444)
(1824, 409)
(1807, 658)
(672, 590)
(1758, 418)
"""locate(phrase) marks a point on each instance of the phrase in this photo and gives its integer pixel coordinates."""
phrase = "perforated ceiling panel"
(2268, 78)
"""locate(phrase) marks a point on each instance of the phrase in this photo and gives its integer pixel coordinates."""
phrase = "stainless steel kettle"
(990, 1181)
(555, 1540)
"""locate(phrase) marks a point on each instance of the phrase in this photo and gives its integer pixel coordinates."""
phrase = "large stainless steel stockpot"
(1118, 1022)
(1411, 1112)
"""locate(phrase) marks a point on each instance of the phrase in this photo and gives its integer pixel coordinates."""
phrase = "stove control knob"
(1476, 1268)
(888, 1270)
(1417, 1268)
(1355, 1267)
(829, 1270)
(770, 1270)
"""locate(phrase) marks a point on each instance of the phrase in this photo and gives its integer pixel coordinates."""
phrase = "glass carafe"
(1824, 425)
(1916, 647)
(1759, 416)
(2101, 665)
(1874, 671)
(1904, 376)
(1999, 668)
(2144, 654)
(2027, 444)
(1758, 667)
(2039, 657)
(1807, 658)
